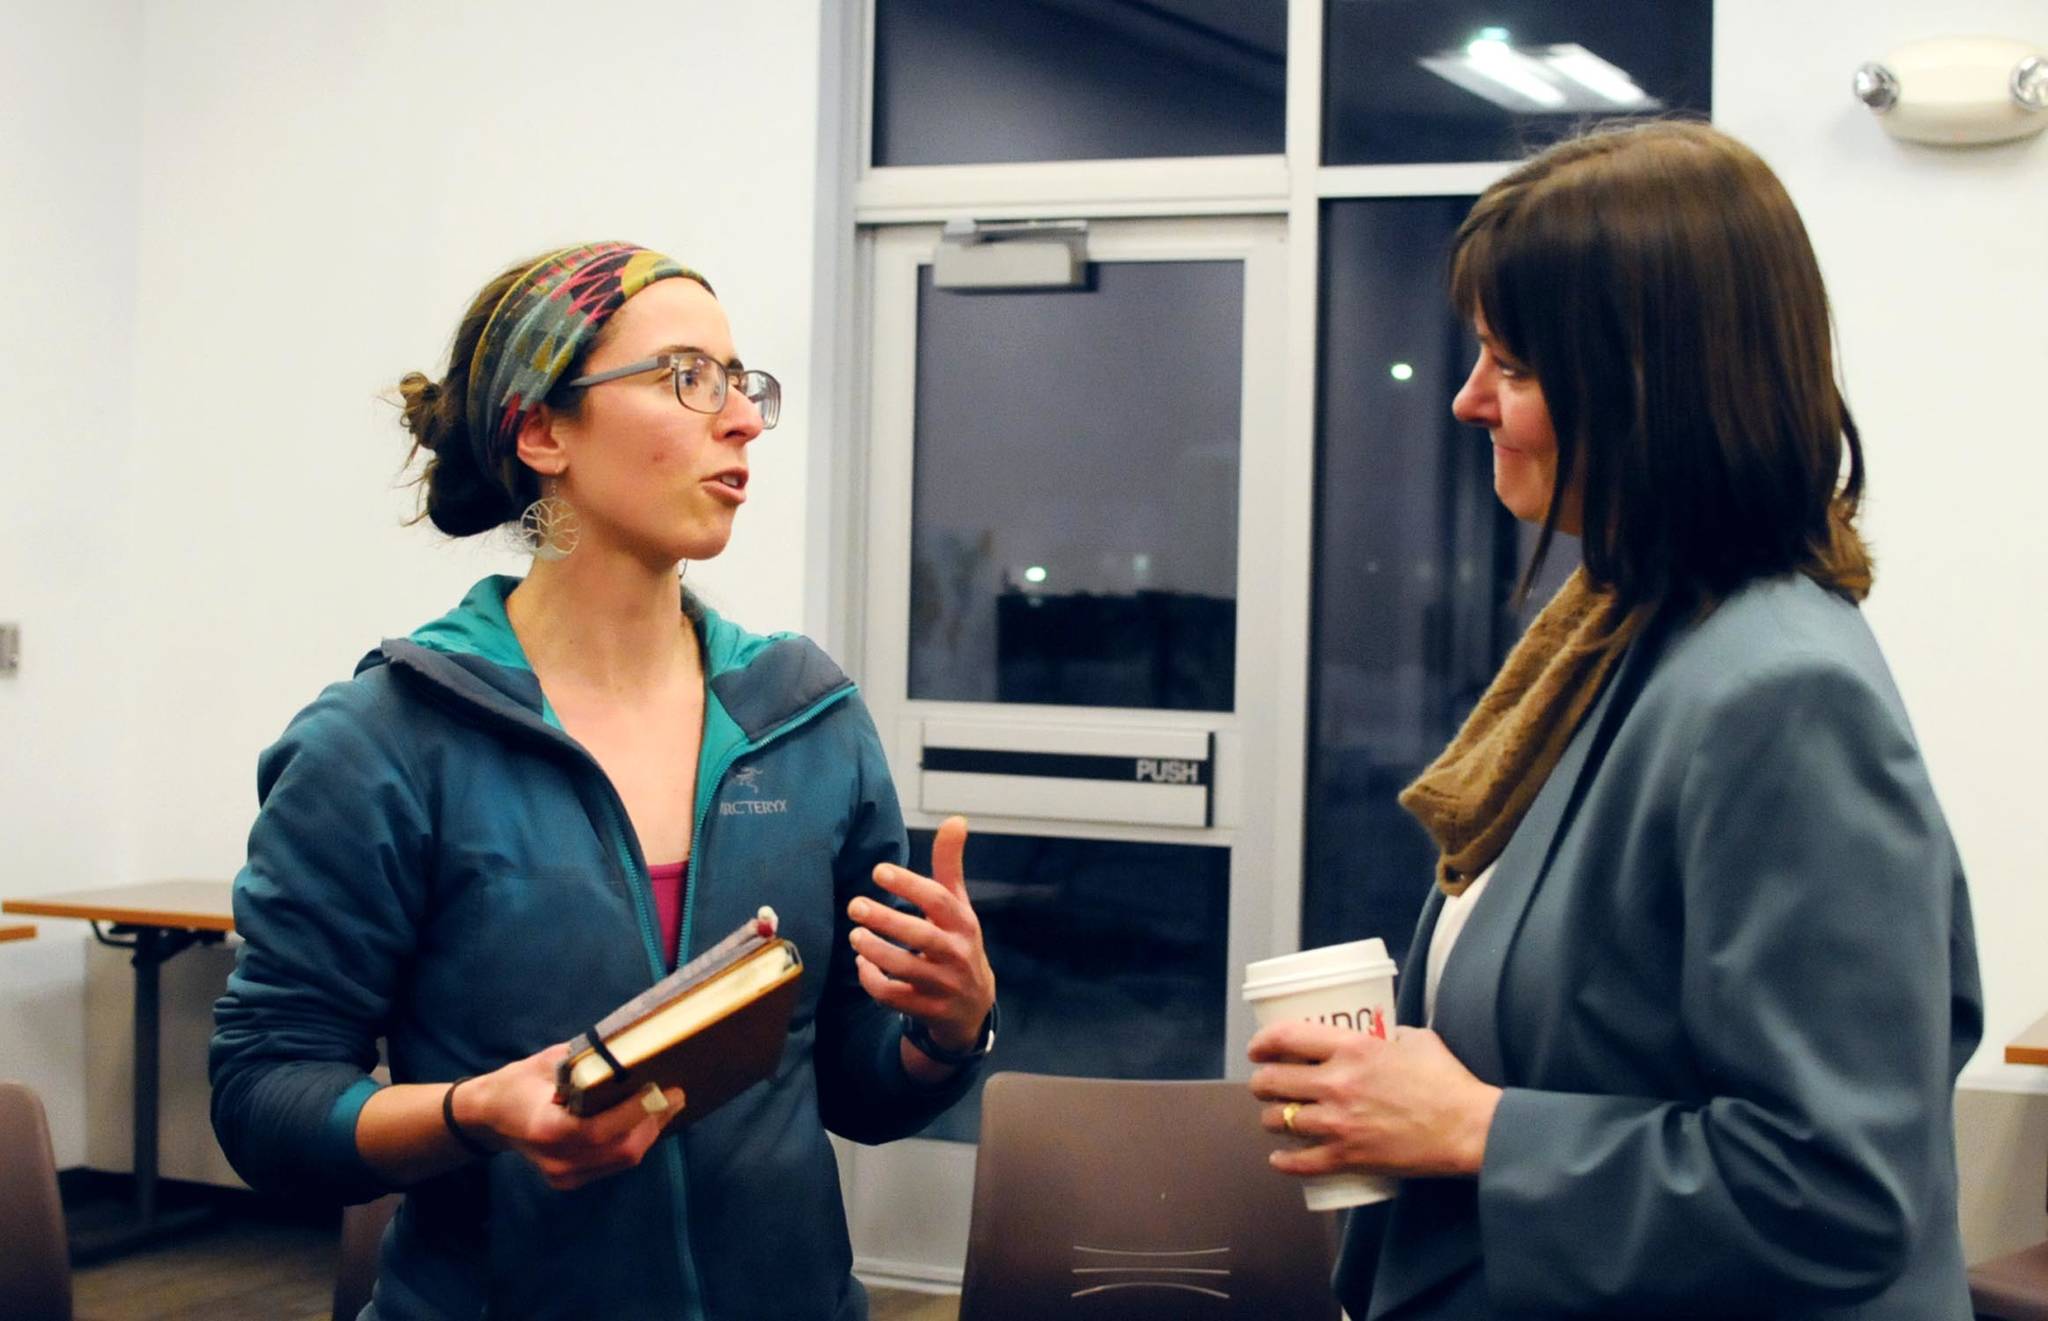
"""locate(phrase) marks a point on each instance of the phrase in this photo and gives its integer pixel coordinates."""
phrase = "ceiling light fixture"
(1539, 80)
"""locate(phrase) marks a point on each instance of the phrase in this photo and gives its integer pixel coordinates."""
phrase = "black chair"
(1145, 1201)
(362, 1234)
(35, 1265)
(2013, 1287)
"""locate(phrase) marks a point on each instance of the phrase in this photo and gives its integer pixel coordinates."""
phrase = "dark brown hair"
(1657, 282)
(458, 494)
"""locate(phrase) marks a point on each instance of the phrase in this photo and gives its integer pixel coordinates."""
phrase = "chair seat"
(2013, 1287)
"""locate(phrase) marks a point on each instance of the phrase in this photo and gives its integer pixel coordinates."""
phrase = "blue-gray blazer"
(1725, 972)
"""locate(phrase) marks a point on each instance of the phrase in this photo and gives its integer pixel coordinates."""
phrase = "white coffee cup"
(1349, 986)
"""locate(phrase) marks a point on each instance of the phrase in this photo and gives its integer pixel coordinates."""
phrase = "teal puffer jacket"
(436, 864)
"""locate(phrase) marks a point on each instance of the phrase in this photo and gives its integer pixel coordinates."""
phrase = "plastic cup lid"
(1353, 958)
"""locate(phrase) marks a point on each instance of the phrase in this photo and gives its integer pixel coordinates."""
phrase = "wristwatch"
(918, 1034)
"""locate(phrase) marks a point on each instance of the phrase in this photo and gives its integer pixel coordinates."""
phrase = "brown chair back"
(2013, 1287)
(35, 1264)
(362, 1236)
(1146, 1201)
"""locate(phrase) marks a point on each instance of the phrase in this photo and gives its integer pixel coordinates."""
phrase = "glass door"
(1073, 537)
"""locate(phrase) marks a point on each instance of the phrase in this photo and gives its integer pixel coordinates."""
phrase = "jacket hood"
(756, 682)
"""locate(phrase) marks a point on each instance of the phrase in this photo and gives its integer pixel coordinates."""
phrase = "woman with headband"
(1687, 1004)
(515, 819)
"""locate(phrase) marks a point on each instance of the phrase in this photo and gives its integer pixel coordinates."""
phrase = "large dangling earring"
(547, 528)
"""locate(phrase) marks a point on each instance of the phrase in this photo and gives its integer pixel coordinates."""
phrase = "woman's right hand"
(514, 1107)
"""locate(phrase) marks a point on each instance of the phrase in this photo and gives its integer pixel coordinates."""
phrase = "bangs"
(1484, 263)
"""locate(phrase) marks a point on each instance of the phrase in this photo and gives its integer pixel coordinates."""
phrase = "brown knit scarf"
(1476, 792)
(1478, 789)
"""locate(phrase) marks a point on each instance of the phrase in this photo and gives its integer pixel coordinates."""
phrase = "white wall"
(193, 393)
(1937, 261)
(323, 189)
(69, 119)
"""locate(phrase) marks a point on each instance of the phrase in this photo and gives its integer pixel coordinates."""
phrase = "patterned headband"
(551, 312)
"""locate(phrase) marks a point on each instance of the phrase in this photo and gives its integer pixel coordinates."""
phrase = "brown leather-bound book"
(714, 1028)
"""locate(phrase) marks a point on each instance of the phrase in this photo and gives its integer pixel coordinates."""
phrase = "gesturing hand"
(932, 967)
(516, 1105)
(1399, 1106)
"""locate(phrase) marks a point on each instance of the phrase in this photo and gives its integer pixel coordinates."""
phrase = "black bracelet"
(919, 1034)
(469, 1144)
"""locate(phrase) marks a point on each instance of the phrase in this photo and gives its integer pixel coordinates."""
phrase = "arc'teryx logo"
(748, 779)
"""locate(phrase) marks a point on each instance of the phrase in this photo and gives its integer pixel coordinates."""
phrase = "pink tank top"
(667, 880)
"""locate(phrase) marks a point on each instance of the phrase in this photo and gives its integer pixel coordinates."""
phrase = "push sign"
(1082, 773)
(1169, 770)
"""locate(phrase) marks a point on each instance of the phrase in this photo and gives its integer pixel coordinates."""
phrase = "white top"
(1449, 922)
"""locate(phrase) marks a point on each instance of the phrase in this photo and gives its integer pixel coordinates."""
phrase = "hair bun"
(419, 398)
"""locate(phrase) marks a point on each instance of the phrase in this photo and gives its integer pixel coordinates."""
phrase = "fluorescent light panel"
(1540, 80)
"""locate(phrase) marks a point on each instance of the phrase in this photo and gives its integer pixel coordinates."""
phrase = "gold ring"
(1287, 1114)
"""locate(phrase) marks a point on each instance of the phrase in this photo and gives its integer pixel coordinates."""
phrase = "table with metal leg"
(2016, 1284)
(157, 921)
(2030, 1046)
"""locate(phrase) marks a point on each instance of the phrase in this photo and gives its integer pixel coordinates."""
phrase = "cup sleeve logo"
(1369, 1020)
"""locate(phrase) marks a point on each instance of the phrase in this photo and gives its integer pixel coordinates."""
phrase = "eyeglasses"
(701, 382)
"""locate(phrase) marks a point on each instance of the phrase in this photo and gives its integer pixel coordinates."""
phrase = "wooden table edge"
(121, 913)
(2030, 1046)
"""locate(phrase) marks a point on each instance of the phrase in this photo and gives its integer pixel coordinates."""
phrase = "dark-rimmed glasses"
(701, 382)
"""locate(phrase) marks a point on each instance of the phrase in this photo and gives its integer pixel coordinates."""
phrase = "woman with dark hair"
(511, 822)
(1698, 973)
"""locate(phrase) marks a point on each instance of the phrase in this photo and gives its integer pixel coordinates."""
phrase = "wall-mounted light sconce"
(1953, 91)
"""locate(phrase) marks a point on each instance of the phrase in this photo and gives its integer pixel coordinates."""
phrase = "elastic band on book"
(596, 1040)
(469, 1144)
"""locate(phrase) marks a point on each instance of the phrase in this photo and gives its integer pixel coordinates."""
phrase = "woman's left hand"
(931, 967)
(1402, 1106)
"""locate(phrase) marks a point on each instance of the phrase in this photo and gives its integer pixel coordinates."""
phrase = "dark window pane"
(1109, 957)
(961, 82)
(1415, 562)
(1074, 517)
(1520, 88)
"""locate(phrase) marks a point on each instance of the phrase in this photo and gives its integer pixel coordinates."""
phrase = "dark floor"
(237, 1270)
(242, 1269)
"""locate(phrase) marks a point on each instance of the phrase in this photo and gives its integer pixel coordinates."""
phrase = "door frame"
(1264, 919)
(908, 1203)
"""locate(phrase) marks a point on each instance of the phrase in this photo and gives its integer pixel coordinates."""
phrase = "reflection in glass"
(1409, 81)
(1074, 507)
(1060, 80)
(1415, 562)
(1109, 957)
